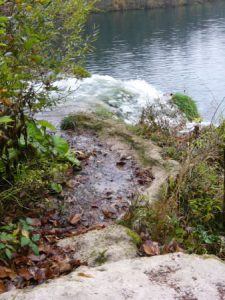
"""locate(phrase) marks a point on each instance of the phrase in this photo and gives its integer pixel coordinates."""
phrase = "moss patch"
(82, 121)
(135, 237)
(187, 105)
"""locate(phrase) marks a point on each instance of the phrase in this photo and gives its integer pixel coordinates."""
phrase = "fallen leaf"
(36, 258)
(40, 275)
(84, 275)
(97, 226)
(22, 260)
(35, 222)
(72, 183)
(151, 248)
(75, 219)
(6, 272)
(2, 287)
(46, 248)
(25, 273)
(172, 247)
(81, 155)
(108, 211)
(64, 267)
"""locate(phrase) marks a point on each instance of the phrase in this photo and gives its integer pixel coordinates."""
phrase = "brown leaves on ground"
(2, 287)
(151, 248)
(26, 269)
(75, 219)
(172, 247)
(6, 273)
(144, 176)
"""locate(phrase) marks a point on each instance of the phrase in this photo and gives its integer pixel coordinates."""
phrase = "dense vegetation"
(190, 211)
(39, 42)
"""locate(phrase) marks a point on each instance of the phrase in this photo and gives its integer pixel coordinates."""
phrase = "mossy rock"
(82, 121)
(187, 105)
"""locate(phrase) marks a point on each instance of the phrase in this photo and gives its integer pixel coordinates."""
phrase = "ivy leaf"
(5, 119)
(24, 241)
(8, 253)
(46, 124)
(34, 248)
(2, 246)
(36, 237)
(56, 187)
(60, 145)
(71, 158)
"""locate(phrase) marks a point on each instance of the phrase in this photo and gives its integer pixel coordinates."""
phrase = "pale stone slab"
(171, 276)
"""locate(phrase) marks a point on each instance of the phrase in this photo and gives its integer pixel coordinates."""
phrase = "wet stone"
(103, 189)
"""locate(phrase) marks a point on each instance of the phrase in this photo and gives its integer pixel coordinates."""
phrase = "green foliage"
(81, 72)
(56, 187)
(190, 210)
(36, 141)
(172, 152)
(16, 236)
(39, 40)
(187, 106)
(32, 181)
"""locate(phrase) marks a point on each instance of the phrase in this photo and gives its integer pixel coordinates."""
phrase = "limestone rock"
(99, 246)
(171, 276)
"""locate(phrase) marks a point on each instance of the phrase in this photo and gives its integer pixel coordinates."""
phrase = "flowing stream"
(144, 55)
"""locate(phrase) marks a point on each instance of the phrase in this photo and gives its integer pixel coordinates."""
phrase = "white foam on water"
(125, 97)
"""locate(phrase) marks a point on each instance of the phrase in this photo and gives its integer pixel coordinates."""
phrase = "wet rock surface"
(103, 190)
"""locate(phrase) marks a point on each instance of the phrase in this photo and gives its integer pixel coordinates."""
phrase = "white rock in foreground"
(171, 276)
(110, 244)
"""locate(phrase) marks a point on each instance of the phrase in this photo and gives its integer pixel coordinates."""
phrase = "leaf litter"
(96, 195)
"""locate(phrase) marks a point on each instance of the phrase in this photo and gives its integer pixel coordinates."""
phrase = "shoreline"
(124, 5)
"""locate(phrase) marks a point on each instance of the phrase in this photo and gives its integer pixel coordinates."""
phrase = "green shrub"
(187, 106)
(16, 235)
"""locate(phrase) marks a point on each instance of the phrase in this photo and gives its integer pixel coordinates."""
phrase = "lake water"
(141, 55)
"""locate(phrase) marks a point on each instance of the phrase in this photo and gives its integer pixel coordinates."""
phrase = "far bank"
(115, 5)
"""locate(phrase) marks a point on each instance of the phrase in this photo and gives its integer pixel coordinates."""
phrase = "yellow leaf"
(6, 102)
(84, 275)
(25, 233)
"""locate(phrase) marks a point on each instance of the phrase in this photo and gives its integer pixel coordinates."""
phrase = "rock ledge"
(171, 276)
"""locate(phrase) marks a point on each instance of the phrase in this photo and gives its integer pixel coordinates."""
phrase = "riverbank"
(116, 166)
(116, 5)
(127, 175)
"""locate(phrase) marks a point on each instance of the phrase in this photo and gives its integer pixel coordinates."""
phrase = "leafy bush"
(15, 236)
(31, 60)
(187, 106)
